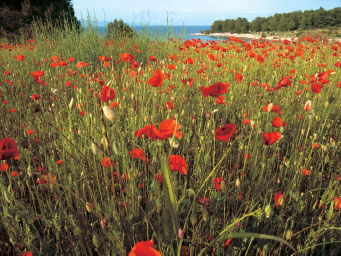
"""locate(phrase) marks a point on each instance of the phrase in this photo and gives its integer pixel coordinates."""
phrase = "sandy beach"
(249, 36)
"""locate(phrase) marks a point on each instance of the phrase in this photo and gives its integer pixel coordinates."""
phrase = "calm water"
(174, 32)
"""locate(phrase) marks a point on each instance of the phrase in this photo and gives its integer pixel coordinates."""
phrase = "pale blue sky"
(190, 12)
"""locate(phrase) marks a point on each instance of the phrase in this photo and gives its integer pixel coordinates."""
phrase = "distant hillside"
(297, 20)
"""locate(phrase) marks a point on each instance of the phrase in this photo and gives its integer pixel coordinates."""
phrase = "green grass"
(77, 206)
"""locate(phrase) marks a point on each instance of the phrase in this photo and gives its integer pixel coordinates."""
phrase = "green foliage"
(118, 29)
(16, 17)
(282, 22)
(60, 199)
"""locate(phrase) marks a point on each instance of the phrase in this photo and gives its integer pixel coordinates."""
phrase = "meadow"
(117, 146)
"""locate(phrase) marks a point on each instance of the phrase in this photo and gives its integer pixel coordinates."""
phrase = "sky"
(189, 12)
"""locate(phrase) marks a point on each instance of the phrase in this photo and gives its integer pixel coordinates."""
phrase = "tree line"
(298, 20)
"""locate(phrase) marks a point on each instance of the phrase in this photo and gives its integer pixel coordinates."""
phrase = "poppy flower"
(337, 203)
(306, 172)
(152, 58)
(107, 93)
(238, 77)
(126, 57)
(217, 182)
(35, 97)
(4, 167)
(316, 87)
(189, 61)
(284, 82)
(279, 199)
(227, 242)
(37, 74)
(278, 122)
(215, 90)
(147, 131)
(157, 79)
(104, 58)
(138, 153)
(271, 107)
(178, 163)
(225, 132)
(270, 138)
(8, 149)
(107, 162)
(167, 129)
(307, 105)
(205, 202)
(144, 248)
(20, 57)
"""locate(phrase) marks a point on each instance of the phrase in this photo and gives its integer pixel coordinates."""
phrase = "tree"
(118, 29)
(18, 15)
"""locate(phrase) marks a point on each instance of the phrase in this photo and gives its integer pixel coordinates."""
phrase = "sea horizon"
(185, 32)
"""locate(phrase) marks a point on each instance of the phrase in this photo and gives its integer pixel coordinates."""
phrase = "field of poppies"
(152, 147)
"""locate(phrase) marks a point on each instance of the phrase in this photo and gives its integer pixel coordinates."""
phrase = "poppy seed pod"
(108, 113)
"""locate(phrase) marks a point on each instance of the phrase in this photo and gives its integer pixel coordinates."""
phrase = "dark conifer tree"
(18, 15)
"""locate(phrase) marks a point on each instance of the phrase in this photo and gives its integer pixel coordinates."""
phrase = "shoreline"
(250, 36)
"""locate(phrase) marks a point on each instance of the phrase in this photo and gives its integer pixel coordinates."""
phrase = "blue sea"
(183, 32)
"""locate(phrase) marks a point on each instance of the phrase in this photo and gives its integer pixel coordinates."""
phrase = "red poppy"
(278, 122)
(270, 138)
(227, 242)
(306, 172)
(316, 87)
(104, 58)
(35, 97)
(107, 93)
(167, 129)
(279, 198)
(8, 149)
(217, 182)
(337, 203)
(144, 248)
(4, 167)
(138, 153)
(157, 79)
(284, 82)
(152, 58)
(177, 163)
(205, 202)
(260, 58)
(238, 77)
(126, 57)
(147, 131)
(37, 74)
(274, 108)
(215, 90)
(189, 61)
(20, 57)
(225, 132)
(107, 162)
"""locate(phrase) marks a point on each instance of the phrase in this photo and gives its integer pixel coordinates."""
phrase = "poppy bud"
(105, 142)
(108, 113)
(71, 103)
(237, 182)
(307, 105)
(270, 106)
(94, 148)
(288, 234)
